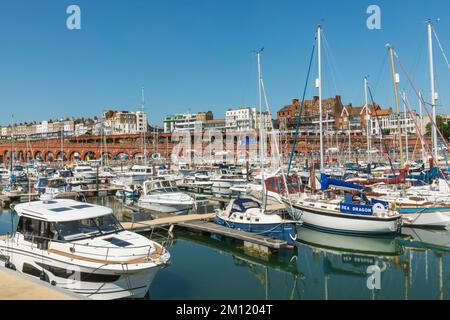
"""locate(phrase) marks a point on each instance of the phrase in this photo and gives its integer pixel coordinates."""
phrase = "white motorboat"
(82, 248)
(128, 192)
(85, 172)
(199, 180)
(164, 196)
(166, 174)
(4, 173)
(135, 176)
(223, 181)
(422, 206)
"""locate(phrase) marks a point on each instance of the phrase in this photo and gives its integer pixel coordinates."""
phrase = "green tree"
(442, 124)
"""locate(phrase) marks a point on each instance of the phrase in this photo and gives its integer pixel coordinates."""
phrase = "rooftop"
(60, 210)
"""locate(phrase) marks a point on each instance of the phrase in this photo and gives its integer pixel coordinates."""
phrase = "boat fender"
(379, 210)
(394, 206)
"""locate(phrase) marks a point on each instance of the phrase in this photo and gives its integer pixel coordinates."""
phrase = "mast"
(433, 92)
(367, 120)
(349, 140)
(11, 160)
(28, 169)
(319, 85)
(62, 143)
(395, 79)
(261, 138)
(144, 147)
(424, 160)
(405, 125)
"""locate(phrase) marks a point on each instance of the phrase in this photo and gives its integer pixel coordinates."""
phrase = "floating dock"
(203, 223)
(251, 240)
(18, 286)
(148, 225)
(7, 200)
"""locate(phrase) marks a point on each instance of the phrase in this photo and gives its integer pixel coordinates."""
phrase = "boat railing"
(150, 252)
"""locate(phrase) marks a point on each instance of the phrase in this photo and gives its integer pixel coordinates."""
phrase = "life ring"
(379, 210)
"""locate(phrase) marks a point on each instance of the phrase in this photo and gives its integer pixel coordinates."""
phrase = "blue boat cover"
(325, 182)
(243, 204)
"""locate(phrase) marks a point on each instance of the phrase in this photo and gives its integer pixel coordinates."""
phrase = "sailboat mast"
(319, 85)
(144, 147)
(367, 120)
(421, 126)
(261, 138)
(395, 80)
(11, 160)
(62, 143)
(349, 141)
(433, 93)
(405, 125)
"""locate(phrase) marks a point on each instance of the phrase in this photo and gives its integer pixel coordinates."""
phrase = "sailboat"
(248, 214)
(354, 213)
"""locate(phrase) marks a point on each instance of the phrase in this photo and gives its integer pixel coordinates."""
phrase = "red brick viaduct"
(115, 146)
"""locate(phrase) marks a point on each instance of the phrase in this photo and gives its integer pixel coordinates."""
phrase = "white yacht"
(200, 179)
(164, 196)
(82, 248)
(223, 180)
(4, 173)
(85, 172)
(135, 176)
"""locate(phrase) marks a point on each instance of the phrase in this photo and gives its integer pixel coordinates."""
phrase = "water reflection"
(257, 265)
(322, 266)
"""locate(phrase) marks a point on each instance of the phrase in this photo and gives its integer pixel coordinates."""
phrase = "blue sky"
(196, 55)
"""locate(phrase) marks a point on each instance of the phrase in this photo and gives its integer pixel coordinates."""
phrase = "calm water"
(323, 266)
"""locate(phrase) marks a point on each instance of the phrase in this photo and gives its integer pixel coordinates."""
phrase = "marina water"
(414, 265)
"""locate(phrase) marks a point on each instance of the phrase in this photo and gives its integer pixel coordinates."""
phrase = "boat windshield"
(88, 228)
(164, 190)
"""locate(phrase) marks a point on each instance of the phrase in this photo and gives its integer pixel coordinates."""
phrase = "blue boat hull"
(282, 231)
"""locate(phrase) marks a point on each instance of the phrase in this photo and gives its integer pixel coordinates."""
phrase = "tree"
(443, 126)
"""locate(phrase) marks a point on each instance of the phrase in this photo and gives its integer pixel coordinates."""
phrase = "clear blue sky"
(196, 55)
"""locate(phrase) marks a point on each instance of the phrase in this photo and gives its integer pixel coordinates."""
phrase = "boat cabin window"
(65, 173)
(37, 231)
(88, 228)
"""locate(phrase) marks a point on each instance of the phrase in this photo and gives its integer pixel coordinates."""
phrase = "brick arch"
(91, 155)
(106, 155)
(122, 153)
(49, 156)
(58, 155)
(37, 154)
(137, 153)
(20, 155)
(70, 155)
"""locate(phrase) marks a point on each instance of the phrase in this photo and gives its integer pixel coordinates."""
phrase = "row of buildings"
(111, 122)
(344, 119)
(337, 119)
(240, 119)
